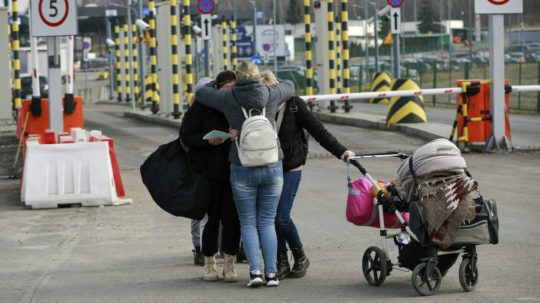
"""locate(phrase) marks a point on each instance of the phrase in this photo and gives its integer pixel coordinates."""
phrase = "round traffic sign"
(395, 3)
(53, 12)
(206, 6)
(499, 2)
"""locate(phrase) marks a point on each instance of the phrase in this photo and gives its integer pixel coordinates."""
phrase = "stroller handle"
(380, 155)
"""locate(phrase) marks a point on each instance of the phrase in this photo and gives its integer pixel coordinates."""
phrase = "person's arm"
(191, 131)
(316, 129)
(212, 97)
(282, 91)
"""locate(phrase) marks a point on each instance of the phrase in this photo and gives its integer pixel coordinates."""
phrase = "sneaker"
(255, 279)
(271, 280)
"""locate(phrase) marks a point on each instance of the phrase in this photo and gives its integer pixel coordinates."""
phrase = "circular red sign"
(206, 6)
(395, 3)
(50, 23)
(499, 2)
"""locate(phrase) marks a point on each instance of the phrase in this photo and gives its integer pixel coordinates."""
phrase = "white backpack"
(257, 145)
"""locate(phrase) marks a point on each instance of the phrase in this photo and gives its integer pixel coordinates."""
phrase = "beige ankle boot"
(229, 273)
(210, 272)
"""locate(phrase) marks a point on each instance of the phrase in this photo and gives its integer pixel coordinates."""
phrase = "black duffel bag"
(175, 187)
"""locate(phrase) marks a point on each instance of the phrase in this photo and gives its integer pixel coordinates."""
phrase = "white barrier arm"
(525, 88)
(407, 93)
(35, 72)
(70, 54)
(369, 95)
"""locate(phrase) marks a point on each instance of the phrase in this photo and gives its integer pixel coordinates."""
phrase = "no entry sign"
(498, 6)
(53, 18)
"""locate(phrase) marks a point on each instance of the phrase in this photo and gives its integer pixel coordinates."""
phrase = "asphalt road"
(138, 253)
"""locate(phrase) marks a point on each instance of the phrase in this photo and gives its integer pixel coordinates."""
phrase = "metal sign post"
(206, 7)
(54, 18)
(495, 9)
(206, 35)
(395, 26)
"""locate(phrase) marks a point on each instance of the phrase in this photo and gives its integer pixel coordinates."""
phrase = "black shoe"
(198, 256)
(271, 279)
(283, 267)
(255, 279)
(301, 264)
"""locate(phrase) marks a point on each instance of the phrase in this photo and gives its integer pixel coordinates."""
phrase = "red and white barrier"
(405, 93)
(74, 171)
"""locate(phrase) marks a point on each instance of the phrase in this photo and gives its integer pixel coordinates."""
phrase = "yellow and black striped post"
(309, 54)
(118, 61)
(345, 45)
(331, 53)
(153, 55)
(15, 44)
(224, 43)
(338, 53)
(127, 62)
(135, 62)
(234, 50)
(409, 109)
(175, 65)
(189, 58)
(381, 83)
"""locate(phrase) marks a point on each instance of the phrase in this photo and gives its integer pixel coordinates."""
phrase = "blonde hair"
(247, 70)
(268, 78)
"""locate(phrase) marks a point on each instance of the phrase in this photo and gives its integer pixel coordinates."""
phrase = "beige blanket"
(447, 203)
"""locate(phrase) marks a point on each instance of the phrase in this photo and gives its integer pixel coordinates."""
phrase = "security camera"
(142, 25)
(110, 42)
(197, 30)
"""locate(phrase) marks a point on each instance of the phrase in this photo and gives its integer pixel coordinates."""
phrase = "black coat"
(212, 161)
(294, 141)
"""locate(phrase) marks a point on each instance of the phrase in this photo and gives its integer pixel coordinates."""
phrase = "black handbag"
(173, 185)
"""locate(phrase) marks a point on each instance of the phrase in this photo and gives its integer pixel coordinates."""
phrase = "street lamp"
(254, 27)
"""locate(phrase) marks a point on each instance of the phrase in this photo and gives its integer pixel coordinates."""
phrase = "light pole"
(275, 33)
(130, 52)
(255, 52)
(376, 35)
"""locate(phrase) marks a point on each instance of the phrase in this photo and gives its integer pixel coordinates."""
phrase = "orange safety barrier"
(473, 115)
(38, 125)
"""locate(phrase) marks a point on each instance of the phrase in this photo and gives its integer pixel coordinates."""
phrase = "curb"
(418, 130)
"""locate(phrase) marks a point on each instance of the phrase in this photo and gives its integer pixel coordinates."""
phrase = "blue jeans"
(256, 192)
(285, 228)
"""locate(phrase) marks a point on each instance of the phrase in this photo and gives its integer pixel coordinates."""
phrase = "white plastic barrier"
(75, 173)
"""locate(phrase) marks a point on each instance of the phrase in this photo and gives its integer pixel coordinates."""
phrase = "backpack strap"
(280, 115)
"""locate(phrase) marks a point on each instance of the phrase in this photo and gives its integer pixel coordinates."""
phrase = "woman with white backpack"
(256, 168)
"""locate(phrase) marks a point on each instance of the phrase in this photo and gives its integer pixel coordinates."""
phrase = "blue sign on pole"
(256, 59)
(206, 6)
(395, 3)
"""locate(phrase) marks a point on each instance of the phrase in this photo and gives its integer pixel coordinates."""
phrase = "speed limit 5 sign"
(53, 18)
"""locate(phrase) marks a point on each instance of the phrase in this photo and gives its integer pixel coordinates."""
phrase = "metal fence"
(438, 74)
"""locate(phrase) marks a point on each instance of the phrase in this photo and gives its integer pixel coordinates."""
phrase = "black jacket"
(294, 141)
(212, 161)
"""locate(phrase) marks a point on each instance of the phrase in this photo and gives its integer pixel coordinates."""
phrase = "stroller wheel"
(468, 275)
(374, 266)
(425, 284)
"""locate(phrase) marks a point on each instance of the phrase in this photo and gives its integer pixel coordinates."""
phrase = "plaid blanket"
(447, 203)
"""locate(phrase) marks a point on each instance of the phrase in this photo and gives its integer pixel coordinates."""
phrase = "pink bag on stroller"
(360, 208)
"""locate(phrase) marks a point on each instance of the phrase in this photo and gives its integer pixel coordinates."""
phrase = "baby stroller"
(422, 249)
